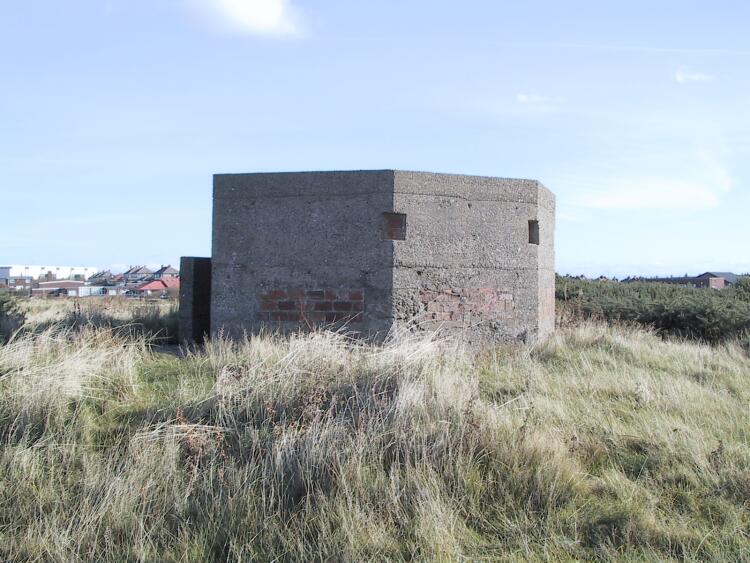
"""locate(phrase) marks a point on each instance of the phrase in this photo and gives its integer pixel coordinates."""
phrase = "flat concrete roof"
(377, 171)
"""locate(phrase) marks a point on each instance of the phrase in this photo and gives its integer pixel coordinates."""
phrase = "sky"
(114, 114)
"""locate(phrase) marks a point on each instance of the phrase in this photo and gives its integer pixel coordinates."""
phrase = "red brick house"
(158, 288)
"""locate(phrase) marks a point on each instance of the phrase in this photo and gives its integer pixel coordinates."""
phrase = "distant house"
(688, 281)
(161, 288)
(136, 274)
(100, 291)
(102, 278)
(71, 288)
(18, 283)
(729, 277)
(166, 272)
(712, 280)
(56, 288)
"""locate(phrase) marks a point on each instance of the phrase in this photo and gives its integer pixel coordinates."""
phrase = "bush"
(705, 314)
(742, 288)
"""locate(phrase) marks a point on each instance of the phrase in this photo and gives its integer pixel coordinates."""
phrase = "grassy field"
(605, 442)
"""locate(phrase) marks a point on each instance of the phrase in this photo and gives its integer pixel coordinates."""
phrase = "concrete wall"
(296, 249)
(195, 298)
(301, 249)
(546, 261)
(466, 263)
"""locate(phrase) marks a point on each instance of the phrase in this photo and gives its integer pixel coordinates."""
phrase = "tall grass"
(156, 319)
(603, 442)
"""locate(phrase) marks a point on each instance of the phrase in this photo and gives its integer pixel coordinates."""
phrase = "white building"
(9, 273)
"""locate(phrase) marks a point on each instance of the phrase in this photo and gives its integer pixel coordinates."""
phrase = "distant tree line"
(706, 314)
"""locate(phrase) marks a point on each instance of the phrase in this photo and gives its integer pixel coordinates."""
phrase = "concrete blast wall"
(376, 249)
(195, 298)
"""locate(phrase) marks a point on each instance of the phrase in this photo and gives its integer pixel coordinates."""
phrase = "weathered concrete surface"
(468, 233)
(292, 232)
(292, 250)
(195, 298)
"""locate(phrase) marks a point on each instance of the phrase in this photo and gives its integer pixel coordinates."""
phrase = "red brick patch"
(276, 294)
(311, 305)
(466, 305)
(342, 305)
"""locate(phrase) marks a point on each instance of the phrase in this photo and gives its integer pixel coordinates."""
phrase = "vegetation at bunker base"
(603, 442)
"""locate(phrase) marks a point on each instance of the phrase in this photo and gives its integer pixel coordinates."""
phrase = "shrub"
(742, 288)
(705, 314)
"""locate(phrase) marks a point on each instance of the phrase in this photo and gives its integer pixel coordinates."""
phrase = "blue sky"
(114, 114)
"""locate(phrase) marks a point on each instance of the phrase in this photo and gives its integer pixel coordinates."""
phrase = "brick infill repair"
(466, 304)
(313, 305)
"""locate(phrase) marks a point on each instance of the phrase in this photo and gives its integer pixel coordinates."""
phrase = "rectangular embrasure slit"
(533, 232)
(394, 226)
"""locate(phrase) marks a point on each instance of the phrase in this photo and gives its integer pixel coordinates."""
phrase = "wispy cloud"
(259, 17)
(700, 188)
(636, 48)
(531, 99)
(683, 76)
(652, 193)
(537, 103)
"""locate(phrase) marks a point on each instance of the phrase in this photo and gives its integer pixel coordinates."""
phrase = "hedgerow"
(706, 314)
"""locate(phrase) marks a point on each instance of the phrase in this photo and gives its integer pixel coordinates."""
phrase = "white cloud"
(682, 76)
(531, 99)
(652, 193)
(536, 103)
(259, 17)
(700, 187)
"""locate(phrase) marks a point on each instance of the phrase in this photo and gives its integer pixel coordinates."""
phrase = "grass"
(606, 442)
(156, 319)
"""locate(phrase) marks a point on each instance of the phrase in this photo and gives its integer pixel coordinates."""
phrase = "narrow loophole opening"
(533, 232)
(394, 226)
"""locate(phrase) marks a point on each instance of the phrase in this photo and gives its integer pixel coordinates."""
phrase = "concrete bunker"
(374, 250)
